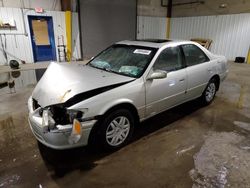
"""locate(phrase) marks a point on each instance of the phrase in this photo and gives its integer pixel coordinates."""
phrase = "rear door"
(162, 94)
(198, 70)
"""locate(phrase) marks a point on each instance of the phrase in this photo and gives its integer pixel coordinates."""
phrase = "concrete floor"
(187, 146)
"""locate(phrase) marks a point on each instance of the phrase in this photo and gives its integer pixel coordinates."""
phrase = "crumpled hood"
(62, 81)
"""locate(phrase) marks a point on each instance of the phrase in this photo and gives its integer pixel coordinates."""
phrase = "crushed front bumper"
(58, 138)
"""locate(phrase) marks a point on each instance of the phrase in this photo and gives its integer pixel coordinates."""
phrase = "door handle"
(181, 80)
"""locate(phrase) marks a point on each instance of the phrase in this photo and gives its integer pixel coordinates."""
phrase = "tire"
(209, 93)
(114, 131)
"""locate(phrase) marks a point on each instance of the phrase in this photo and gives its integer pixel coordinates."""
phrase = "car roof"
(153, 43)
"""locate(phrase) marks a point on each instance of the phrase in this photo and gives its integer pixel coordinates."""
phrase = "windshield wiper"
(109, 70)
(101, 68)
(95, 66)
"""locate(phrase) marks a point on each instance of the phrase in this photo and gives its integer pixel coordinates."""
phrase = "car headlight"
(48, 122)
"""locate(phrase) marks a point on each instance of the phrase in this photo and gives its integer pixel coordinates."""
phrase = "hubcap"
(117, 131)
(210, 92)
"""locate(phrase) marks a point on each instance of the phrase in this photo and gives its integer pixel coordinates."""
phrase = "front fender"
(132, 93)
(114, 103)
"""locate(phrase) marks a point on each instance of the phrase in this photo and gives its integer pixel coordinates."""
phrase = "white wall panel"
(18, 41)
(54, 5)
(151, 27)
(14, 40)
(76, 49)
(230, 33)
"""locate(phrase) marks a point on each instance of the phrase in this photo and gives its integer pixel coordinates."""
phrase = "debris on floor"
(243, 125)
(185, 150)
(7, 181)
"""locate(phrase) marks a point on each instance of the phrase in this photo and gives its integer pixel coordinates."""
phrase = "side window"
(170, 59)
(194, 55)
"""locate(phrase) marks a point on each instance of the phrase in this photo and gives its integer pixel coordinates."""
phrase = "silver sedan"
(100, 103)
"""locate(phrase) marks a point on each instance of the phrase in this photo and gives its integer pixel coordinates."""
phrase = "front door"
(162, 94)
(42, 38)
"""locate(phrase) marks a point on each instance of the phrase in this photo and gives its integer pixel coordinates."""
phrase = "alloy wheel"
(117, 131)
(210, 92)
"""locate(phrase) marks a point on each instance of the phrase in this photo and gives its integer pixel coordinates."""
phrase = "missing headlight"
(62, 116)
(74, 114)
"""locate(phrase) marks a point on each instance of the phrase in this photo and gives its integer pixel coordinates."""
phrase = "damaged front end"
(51, 117)
(59, 127)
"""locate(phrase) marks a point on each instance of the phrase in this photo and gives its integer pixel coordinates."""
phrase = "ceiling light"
(224, 5)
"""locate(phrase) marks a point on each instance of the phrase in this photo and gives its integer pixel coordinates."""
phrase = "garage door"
(104, 22)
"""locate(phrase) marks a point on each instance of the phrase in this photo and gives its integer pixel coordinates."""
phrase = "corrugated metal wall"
(54, 5)
(76, 49)
(230, 33)
(19, 44)
(151, 27)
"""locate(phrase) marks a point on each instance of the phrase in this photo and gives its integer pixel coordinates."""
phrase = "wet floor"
(188, 146)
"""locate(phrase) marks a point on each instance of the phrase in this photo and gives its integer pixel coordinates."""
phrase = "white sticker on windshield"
(140, 51)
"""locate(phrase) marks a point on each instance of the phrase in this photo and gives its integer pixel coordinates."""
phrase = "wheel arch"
(216, 77)
(122, 105)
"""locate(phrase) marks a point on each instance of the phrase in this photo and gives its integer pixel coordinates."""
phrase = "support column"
(248, 56)
(68, 23)
(169, 15)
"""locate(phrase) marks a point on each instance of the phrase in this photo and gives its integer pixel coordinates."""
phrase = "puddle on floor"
(10, 180)
(222, 162)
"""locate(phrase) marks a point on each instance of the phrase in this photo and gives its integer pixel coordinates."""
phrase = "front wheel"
(115, 130)
(209, 93)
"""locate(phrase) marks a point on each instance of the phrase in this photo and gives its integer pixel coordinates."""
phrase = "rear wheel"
(115, 130)
(209, 93)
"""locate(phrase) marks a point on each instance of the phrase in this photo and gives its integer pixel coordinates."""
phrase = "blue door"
(42, 38)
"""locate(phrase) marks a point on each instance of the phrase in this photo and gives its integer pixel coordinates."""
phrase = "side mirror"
(159, 74)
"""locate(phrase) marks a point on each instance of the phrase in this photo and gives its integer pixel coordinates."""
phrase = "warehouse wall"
(76, 48)
(230, 33)
(18, 42)
(209, 7)
(151, 27)
(212, 7)
(54, 5)
(106, 22)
